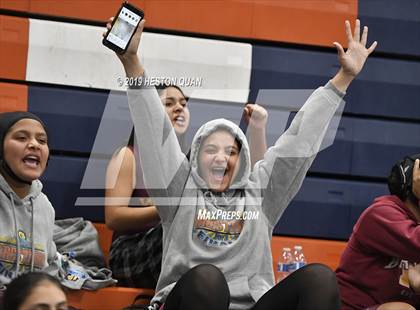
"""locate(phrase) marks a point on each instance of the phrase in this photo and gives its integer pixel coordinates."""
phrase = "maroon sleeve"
(388, 230)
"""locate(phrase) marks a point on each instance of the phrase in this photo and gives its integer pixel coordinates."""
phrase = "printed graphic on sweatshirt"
(75, 275)
(8, 251)
(217, 232)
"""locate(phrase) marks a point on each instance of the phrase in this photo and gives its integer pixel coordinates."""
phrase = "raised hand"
(255, 116)
(135, 41)
(129, 59)
(353, 59)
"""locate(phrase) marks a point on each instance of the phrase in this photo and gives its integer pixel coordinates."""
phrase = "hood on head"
(206, 130)
(8, 119)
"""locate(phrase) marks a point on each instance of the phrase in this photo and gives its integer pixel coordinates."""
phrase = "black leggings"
(313, 287)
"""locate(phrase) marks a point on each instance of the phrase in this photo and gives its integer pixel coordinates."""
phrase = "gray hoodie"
(200, 226)
(80, 258)
(26, 227)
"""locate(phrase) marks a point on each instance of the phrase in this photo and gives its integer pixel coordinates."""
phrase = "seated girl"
(136, 250)
(218, 214)
(26, 215)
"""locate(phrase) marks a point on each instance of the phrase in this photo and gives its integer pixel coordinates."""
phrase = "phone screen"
(123, 28)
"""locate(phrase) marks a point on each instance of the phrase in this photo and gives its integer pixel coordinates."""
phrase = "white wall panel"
(72, 54)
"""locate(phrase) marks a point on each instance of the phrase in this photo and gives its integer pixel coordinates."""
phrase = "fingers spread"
(372, 47)
(364, 36)
(356, 36)
(339, 48)
(348, 31)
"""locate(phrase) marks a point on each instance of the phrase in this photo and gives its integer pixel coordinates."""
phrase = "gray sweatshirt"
(26, 227)
(231, 230)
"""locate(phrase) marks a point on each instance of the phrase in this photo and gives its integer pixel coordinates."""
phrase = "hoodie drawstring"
(17, 235)
(31, 199)
(18, 238)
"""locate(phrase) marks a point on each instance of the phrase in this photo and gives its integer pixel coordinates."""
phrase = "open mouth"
(218, 173)
(32, 161)
(180, 120)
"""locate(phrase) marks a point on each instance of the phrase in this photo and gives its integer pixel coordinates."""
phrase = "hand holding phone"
(123, 28)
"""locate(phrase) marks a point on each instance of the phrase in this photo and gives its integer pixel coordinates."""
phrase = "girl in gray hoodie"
(26, 215)
(217, 213)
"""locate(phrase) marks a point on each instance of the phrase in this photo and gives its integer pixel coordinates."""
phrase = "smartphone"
(123, 28)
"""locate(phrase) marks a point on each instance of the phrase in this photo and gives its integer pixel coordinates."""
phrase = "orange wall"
(13, 97)
(18, 5)
(14, 34)
(313, 22)
(327, 252)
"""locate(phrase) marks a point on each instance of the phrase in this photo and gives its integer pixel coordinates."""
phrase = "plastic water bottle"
(298, 257)
(284, 264)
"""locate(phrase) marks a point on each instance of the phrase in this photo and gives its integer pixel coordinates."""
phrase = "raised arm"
(131, 62)
(284, 167)
(256, 118)
(354, 58)
(165, 167)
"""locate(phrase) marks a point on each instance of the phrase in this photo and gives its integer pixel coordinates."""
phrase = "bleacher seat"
(113, 298)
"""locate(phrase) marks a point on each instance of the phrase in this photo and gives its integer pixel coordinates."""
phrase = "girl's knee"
(319, 274)
(319, 270)
(208, 275)
(207, 281)
(206, 270)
